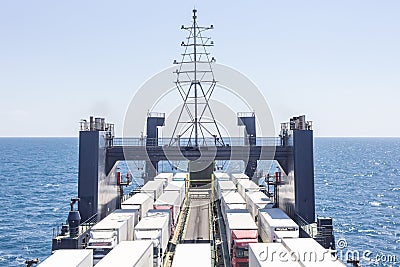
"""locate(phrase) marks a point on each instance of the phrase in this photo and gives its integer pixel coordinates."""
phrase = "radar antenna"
(195, 83)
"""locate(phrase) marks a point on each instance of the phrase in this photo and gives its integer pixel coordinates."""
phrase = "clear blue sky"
(338, 62)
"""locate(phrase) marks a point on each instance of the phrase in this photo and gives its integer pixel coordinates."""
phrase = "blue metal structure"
(154, 120)
(248, 119)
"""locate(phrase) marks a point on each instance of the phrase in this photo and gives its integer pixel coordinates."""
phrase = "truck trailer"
(140, 201)
(184, 255)
(247, 186)
(274, 224)
(165, 177)
(270, 255)
(241, 230)
(257, 200)
(108, 233)
(69, 258)
(155, 227)
(310, 253)
(221, 176)
(236, 177)
(224, 186)
(231, 201)
(177, 186)
(129, 254)
(181, 176)
(153, 188)
(170, 200)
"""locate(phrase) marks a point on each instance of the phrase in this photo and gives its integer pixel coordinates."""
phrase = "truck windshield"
(241, 252)
(100, 252)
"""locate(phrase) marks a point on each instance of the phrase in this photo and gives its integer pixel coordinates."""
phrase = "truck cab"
(240, 246)
(102, 242)
(155, 236)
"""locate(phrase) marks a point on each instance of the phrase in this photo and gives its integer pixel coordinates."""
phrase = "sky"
(337, 62)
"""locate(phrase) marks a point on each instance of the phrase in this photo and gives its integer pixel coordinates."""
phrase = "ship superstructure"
(228, 212)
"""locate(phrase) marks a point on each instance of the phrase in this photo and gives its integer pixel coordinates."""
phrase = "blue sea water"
(357, 182)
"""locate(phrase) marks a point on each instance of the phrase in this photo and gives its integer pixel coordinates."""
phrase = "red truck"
(241, 230)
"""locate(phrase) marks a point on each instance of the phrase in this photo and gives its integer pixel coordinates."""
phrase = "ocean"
(357, 182)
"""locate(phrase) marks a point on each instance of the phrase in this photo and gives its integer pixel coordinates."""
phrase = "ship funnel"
(74, 219)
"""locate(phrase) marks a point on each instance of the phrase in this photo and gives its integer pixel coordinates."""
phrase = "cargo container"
(69, 258)
(181, 176)
(310, 253)
(222, 186)
(193, 255)
(129, 254)
(257, 200)
(153, 212)
(123, 214)
(221, 176)
(155, 227)
(270, 255)
(108, 233)
(247, 186)
(274, 224)
(169, 200)
(231, 201)
(236, 177)
(165, 177)
(241, 230)
(153, 188)
(177, 186)
(140, 201)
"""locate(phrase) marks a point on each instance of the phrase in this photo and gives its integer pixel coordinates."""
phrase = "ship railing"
(206, 142)
(156, 114)
(89, 223)
(312, 229)
(246, 114)
(83, 227)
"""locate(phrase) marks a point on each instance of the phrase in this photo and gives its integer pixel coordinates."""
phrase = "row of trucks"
(137, 232)
(241, 230)
(250, 216)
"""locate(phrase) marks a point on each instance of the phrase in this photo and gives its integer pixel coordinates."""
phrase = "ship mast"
(195, 83)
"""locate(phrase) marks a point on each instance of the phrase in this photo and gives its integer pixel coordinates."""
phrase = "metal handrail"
(207, 142)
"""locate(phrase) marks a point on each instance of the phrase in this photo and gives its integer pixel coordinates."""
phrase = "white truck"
(247, 186)
(241, 230)
(223, 186)
(236, 177)
(184, 255)
(155, 227)
(257, 200)
(69, 258)
(221, 176)
(165, 177)
(232, 201)
(310, 253)
(170, 200)
(177, 186)
(108, 233)
(140, 201)
(129, 254)
(124, 214)
(274, 224)
(153, 188)
(270, 255)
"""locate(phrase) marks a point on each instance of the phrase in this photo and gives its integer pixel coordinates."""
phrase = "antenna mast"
(195, 83)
